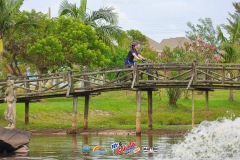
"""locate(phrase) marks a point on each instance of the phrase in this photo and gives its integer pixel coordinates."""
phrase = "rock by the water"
(13, 139)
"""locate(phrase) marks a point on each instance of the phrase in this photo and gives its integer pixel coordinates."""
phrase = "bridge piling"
(149, 109)
(138, 113)
(26, 112)
(86, 107)
(74, 115)
(193, 109)
(206, 97)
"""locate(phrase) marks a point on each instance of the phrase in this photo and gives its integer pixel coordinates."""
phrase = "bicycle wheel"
(149, 74)
(123, 76)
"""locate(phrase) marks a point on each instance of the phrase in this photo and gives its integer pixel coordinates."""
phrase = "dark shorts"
(127, 62)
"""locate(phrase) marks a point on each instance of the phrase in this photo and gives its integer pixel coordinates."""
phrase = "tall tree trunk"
(230, 97)
(1, 49)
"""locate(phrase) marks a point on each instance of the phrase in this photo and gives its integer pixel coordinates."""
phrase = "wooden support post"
(74, 142)
(85, 140)
(192, 109)
(74, 120)
(149, 109)
(150, 140)
(26, 84)
(206, 96)
(86, 111)
(139, 141)
(70, 84)
(138, 113)
(27, 112)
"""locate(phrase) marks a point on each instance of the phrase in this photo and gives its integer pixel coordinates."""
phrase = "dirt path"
(109, 131)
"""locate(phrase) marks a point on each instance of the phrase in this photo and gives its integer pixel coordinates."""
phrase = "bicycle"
(147, 73)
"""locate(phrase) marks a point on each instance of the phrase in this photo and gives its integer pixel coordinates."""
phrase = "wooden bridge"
(142, 77)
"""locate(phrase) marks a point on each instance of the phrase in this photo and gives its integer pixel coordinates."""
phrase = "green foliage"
(200, 50)
(118, 58)
(233, 19)
(48, 52)
(104, 21)
(204, 31)
(58, 43)
(80, 43)
(232, 52)
(174, 94)
(137, 36)
(32, 27)
(230, 46)
(8, 8)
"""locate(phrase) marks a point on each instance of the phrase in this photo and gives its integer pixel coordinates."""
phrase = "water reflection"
(71, 146)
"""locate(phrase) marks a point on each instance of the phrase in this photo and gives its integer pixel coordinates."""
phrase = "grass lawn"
(117, 109)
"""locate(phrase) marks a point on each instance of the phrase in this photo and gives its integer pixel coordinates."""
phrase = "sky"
(157, 19)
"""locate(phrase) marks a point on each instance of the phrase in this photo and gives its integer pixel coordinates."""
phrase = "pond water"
(217, 140)
(53, 147)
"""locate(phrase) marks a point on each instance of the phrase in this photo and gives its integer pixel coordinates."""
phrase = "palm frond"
(68, 9)
(221, 36)
(7, 9)
(106, 14)
(82, 9)
(236, 6)
(235, 30)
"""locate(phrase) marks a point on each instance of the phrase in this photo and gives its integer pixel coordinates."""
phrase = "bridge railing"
(176, 74)
(183, 75)
(101, 79)
(188, 75)
(219, 75)
(65, 83)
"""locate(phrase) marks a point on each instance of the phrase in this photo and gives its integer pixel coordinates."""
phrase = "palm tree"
(104, 21)
(230, 46)
(7, 9)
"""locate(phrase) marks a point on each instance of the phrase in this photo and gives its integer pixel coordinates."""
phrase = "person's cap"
(134, 43)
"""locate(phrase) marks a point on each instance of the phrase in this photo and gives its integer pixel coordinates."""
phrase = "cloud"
(155, 18)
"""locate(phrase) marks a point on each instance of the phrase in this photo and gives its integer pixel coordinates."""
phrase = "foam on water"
(217, 140)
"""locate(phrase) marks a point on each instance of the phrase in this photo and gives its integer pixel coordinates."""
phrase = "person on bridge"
(133, 53)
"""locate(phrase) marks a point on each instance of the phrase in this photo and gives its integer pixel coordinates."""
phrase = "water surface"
(53, 147)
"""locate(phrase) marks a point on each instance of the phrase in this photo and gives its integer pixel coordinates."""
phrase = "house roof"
(171, 43)
(153, 44)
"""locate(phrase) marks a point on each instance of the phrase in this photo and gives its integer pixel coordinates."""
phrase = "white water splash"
(217, 140)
